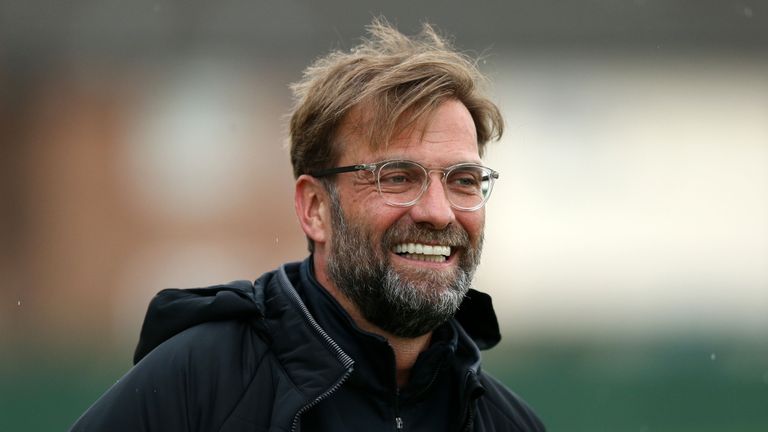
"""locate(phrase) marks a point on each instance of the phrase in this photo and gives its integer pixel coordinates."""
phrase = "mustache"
(402, 232)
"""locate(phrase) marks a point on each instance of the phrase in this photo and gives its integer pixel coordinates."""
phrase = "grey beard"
(408, 303)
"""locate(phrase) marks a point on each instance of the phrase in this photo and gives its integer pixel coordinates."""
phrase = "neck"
(406, 350)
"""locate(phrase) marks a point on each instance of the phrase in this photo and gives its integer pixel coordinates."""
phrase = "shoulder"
(212, 361)
(500, 404)
(195, 378)
(211, 350)
(206, 369)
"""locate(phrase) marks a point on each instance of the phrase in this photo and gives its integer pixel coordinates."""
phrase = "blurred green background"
(142, 146)
(672, 385)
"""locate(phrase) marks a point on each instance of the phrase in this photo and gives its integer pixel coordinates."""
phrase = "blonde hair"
(394, 80)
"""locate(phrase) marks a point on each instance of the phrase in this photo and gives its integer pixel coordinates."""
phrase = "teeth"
(418, 251)
(430, 258)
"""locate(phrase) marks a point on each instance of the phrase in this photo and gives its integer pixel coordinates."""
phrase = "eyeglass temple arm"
(339, 170)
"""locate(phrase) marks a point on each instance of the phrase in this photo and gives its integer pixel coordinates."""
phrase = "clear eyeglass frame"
(461, 195)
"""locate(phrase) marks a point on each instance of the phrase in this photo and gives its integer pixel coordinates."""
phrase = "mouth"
(423, 252)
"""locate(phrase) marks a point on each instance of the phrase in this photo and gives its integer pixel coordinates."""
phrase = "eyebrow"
(400, 157)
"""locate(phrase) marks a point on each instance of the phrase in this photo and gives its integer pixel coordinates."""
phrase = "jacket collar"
(275, 309)
(478, 319)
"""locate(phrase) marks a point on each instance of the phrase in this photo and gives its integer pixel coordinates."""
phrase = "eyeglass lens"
(402, 183)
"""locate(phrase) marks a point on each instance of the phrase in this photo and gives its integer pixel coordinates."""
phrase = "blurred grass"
(48, 393)
(661, 385)
(652, 385)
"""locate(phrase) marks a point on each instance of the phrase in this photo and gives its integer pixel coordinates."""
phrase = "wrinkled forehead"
(447, 129)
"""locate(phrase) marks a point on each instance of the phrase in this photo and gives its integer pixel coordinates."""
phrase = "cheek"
(473, 223)
(376, 221)
(372, 218)
(383, 218)
(360, 201)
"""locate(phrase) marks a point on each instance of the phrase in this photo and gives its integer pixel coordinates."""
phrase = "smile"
(422, 252)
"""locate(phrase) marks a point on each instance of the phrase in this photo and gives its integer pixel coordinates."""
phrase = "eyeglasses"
(402, 182)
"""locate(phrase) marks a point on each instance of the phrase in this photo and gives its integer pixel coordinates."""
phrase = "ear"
(312, 208)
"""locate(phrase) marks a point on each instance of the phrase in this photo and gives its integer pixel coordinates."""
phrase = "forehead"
(444, 137)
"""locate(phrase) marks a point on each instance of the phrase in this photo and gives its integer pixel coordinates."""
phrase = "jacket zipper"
(398, 423)
(398, 419)
(470, 417)
(345, 360)
(319, 399)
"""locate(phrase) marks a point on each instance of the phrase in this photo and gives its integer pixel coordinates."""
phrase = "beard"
(408, 302)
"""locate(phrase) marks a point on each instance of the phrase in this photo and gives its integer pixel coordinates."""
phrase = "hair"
(391, 81)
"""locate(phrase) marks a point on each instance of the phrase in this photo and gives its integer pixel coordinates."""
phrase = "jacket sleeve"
(191, 382)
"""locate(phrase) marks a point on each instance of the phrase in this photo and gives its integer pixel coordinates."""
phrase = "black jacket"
(251, 357)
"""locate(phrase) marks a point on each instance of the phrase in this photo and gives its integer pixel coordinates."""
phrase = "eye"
(465, 178)
(395, 178)
(464, 181)
(399, 176)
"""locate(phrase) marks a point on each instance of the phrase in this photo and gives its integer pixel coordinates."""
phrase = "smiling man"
(390, 245)
(378, 329)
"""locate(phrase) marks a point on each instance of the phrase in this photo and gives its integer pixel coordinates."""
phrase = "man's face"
(407, 294)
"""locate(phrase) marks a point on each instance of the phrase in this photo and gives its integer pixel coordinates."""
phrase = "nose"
(433, 207)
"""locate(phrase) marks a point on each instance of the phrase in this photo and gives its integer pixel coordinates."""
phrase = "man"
(378, 329)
